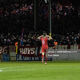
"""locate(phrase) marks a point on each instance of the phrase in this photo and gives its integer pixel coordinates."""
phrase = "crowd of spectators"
(16, 8)
(30, 38)
(14, 16)
(58, 9)
(65, 16)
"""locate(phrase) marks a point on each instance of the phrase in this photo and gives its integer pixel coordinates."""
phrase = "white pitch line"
(1, 70)
(4, 68)
(19, 68)
(8, 68)
(11, 67)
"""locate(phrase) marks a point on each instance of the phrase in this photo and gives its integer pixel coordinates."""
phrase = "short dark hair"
(44, 33)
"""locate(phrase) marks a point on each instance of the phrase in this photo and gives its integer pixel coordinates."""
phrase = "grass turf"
(39, 71)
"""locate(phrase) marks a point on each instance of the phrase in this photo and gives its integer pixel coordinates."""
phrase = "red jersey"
(44, 42)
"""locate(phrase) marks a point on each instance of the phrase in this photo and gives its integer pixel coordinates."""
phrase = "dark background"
(15, 22)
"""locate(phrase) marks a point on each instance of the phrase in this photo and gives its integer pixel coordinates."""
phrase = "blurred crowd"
(58, 9)
(14, 16)
(18, 14)
(30, 38)
(17, 8)
(65, 16)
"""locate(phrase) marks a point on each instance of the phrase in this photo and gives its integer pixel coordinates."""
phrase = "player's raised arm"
(39, 37)
(49, 37)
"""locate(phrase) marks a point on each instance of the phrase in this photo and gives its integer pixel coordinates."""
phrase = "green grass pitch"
(39, 71)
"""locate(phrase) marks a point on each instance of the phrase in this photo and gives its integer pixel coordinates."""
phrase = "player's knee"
(43, 54)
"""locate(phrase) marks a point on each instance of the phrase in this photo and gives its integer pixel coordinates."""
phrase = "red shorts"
(44, 49)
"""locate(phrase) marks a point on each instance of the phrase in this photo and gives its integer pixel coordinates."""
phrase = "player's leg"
(45, 56)
(45, 59)
(42, 57)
